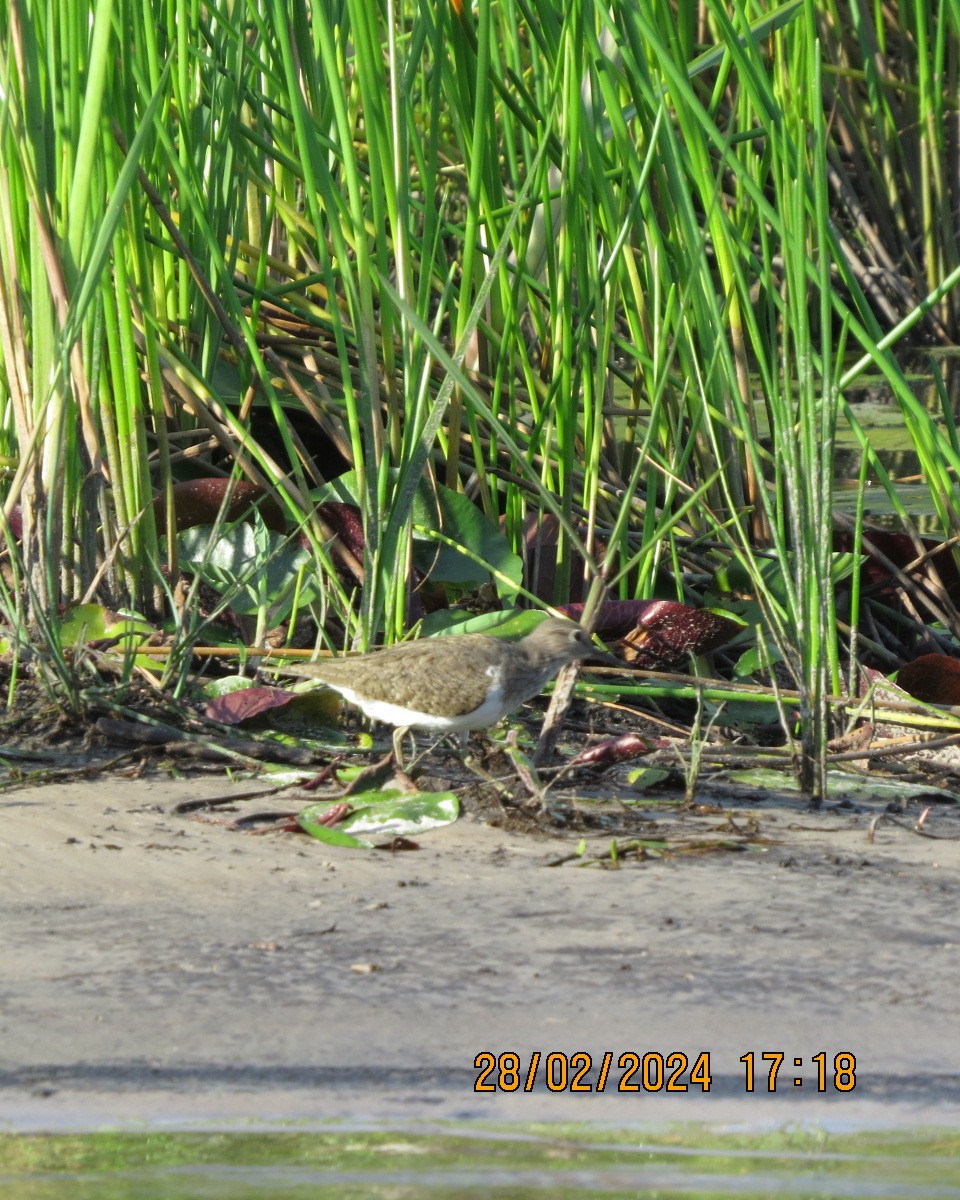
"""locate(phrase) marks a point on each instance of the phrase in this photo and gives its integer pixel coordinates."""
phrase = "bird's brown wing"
(436, 681)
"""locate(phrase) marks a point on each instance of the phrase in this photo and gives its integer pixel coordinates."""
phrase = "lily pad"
(512, 623)
(382, 815)
(441, 510)
(94, 623)
(841, 785)
(129, 632)
(646, 777)
(252, 566)
(243, 704)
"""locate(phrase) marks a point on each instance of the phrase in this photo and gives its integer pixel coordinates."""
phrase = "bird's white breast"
(491, 710)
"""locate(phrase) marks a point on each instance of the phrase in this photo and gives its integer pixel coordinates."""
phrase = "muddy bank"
(166, 968)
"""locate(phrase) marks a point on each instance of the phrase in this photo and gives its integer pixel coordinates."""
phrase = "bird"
(455, 683)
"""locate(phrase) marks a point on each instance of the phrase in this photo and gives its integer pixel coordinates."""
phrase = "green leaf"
(93, 623)
(442, 511)
(251, 566)
(646, 777)
(387, 814)
(841, 785)
(512, 623)
(463, 522)
(226, 686)
(332, 837)
(757, 659)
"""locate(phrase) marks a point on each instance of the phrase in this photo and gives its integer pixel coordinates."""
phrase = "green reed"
(581, 261)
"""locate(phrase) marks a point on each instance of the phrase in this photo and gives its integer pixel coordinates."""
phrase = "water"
(464, 1161)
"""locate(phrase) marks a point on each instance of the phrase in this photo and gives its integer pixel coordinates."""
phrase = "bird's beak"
(611, 660)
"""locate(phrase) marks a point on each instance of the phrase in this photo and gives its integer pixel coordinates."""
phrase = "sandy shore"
(162, 968)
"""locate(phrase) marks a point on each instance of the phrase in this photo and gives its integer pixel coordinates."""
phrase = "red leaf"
(346, 522)
(15, 521)
(616, 617)
(613, 750)
(540, 537)
(933, 678)
(667, 632)
(659, 633)
(247, 703)
(901, 550)
(198, 501)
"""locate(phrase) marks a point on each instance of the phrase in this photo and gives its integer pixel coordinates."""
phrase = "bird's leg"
(459, 741)
(504, 792)
(525, 769)
(418, 758)
(469, 751)
(399, 734)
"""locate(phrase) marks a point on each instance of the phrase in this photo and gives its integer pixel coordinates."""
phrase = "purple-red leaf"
(242, 705)
(932, 678)
(346, 522)
(659, 633)
(884, 548)
(616, 617)
(15, 521)
(198, 501)
(613, 750)
(670, 632)
(540, 538)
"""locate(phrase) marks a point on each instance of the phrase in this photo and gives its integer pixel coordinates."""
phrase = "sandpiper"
(456, 683)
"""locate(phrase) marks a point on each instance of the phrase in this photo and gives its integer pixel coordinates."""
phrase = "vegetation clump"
(317, 321)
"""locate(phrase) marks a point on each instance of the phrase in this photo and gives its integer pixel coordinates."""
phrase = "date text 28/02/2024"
(653, 1071)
